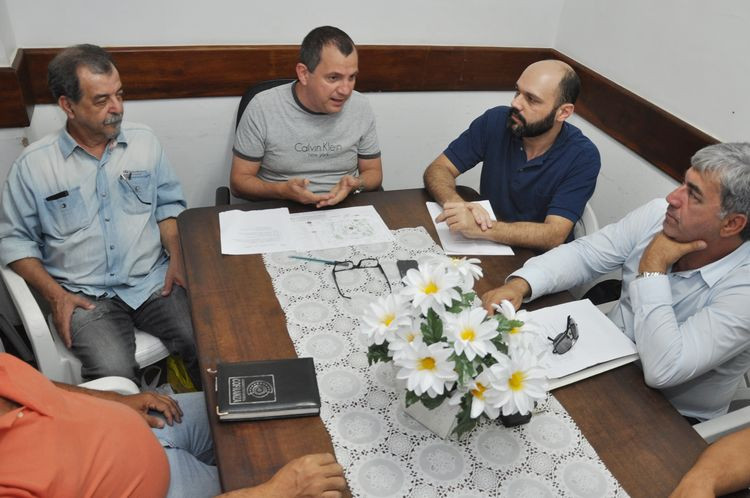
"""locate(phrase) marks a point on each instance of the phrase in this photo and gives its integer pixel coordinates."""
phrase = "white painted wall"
(42, 23)
(7, 38)
(688, 57)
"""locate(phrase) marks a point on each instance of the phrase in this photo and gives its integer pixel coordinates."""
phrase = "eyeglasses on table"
(565, 340)
(362, 264)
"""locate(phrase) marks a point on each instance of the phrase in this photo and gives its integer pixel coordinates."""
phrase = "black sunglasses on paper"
(565, 340)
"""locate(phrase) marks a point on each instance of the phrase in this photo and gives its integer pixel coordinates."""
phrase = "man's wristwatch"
(646, 274)
(361, 187)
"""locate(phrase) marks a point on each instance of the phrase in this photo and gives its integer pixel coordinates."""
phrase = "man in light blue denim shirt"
(88, 219)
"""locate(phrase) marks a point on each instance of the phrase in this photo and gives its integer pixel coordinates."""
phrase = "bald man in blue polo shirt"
(538, 171)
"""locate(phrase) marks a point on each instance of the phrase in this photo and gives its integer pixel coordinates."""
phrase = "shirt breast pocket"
(137, 191)
(68, 214)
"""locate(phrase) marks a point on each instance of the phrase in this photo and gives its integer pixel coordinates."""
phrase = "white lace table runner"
(384, 451)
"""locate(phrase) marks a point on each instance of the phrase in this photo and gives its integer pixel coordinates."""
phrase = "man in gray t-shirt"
(312, 141)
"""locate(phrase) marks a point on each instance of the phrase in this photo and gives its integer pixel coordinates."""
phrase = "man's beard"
(524, 129)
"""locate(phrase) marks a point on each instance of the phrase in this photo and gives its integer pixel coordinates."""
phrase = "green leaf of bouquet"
(505, 325)
(468, 298)
(411, 398)
(464, 368)
(432, 328)
(489, 360)
(377, 352)
(432, 403)
(499, 344)
(465, 426)
(464, 422)
(466, 301)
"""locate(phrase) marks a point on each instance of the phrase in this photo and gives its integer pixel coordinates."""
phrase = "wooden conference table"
(641, 439)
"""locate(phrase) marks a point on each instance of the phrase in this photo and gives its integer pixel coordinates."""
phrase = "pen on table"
(315, 260)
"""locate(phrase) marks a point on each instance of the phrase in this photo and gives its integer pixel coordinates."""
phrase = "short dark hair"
(62, 72)
(312, 45)
(570, 87)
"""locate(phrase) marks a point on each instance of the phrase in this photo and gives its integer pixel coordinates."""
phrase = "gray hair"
(731, 163)
(62, 72)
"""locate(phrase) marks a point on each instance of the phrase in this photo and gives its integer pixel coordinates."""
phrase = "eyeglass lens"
(565, 340)
(365, 263)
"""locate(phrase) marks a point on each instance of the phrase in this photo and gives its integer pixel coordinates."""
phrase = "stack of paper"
(601, 345)
(275, 230)
(455, 243)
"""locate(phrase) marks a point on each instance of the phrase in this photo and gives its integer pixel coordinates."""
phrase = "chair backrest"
(254, 90)
(587, 224)
(223, 195)
(605, 290)
(54, 360)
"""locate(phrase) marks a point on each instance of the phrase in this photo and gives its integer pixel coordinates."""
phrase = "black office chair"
(222, 193)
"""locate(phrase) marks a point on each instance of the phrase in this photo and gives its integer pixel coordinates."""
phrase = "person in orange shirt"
(61, 440)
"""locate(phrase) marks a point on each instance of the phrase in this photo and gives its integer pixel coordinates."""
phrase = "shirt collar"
(301, 105)
(21, 383)
(68, 144)
(560, 140)
(714, 272)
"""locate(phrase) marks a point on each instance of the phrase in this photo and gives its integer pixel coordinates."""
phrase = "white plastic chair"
(54, 360)
(737, 418)
(113, 383)
(587, 224)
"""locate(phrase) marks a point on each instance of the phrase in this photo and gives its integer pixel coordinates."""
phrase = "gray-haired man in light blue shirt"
(685, 281)
(88, 219)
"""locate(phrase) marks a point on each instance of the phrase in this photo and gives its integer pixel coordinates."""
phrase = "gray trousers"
(104, 341)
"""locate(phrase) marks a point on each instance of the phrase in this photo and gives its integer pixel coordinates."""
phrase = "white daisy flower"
(431, 286)
(527, 336)
(520, 382)
(468, 269)
(509, 311)
(485, 398)
(470, 332)
(382, 318)
(427, 368)
(404, 336)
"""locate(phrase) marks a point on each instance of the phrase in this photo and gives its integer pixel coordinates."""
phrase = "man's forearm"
(34, 273)
(371, 179)
(441, 184)
(170, 238)
(724, 467)
(540, 236)
(253, 188)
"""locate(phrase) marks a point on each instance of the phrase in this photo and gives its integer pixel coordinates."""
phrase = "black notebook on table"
(253, 390)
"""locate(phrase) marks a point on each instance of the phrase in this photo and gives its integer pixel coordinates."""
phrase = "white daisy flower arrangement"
(445, 346)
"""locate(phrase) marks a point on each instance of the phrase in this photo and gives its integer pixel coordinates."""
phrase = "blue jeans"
(104, 341)
(190, 450)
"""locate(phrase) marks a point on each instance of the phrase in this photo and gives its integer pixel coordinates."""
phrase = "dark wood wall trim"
(15, 102)
(219, 71)
(214, 71)
(649, 131)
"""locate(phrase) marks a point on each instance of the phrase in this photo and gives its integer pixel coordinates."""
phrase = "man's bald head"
(567, 81)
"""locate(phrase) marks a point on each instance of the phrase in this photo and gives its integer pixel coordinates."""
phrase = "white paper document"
(456, 244)
(275, 230)
(601, 345)
(343, 227)
(253, 232)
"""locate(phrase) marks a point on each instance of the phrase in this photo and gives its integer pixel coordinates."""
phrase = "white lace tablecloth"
(384, 451)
